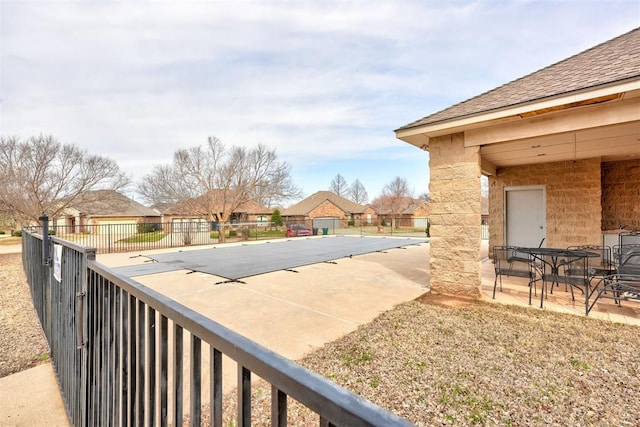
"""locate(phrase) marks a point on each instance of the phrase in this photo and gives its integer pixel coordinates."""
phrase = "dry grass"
(441, 361)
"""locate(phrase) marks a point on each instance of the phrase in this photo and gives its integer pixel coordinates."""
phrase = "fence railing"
(111, 238)
(119, 353)
(128, 237)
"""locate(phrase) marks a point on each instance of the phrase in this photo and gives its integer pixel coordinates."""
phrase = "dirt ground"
(22, 342)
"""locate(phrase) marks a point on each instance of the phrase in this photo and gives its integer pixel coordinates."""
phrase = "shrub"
(351, 223)
(51, 232)
(276, 218)
(17, 233)
(148, 228)
(233, 233)
(2, 232)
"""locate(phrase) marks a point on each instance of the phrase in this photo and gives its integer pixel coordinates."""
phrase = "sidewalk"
(31, 398)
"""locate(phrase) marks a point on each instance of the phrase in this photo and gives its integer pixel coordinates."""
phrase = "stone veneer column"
(455, 193)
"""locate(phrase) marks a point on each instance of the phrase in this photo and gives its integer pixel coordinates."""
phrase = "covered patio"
(515, 291)
(561, 150)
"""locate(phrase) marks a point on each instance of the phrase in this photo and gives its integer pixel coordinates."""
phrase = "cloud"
(320, 81)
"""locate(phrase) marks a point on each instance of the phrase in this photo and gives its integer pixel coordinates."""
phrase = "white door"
(525, 216)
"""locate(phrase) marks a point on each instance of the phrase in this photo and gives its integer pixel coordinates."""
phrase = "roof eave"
(419, 135)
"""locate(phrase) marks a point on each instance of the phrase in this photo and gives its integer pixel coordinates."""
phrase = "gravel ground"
(22, 342)
(436, 361)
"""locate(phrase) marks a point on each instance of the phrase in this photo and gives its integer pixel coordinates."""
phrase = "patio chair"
(599, 266)
(576, 275)
(619, 251)
(508, 261)
(618, 288)
(629, 268)
(624, 284)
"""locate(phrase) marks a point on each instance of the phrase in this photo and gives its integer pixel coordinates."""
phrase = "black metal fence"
(129, 237)
(119, 353)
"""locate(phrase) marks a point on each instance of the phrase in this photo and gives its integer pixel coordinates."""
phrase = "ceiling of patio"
(609, 130)
(611, 143)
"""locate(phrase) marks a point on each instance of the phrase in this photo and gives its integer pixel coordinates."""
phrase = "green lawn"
(153, 236)
(253, 234)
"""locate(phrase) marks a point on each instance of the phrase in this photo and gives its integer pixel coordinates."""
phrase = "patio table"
(553, 259)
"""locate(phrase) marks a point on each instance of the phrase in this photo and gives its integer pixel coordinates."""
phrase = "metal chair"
(620, 251)
(624, 284)
(508, 261)
(630, 265)
(599, 266)
(618, 289)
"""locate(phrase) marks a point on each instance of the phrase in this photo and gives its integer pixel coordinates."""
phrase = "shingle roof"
(305, 206)
(613, 61)
(408, 205)
(195, 206)
(110, 203)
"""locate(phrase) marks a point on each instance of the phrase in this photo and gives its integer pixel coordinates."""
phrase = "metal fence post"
(46, 256)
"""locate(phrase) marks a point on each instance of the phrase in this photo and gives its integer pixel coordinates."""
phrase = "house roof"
(409, 205)
(413, 205)
(110, 203)
(611, 62)
(305, 206)
(193, 206)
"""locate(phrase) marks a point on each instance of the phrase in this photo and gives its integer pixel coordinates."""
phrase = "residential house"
(101, 208)
(403, 211)
(193, 211)
(561, 149)
(324, 209)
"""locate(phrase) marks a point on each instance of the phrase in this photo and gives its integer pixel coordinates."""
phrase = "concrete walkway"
(31, 398)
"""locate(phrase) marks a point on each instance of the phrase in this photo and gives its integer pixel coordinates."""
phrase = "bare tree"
(396, 197)
(425, 196)
(42, 175)
(213, 181)
(339, 186)
(357, 193)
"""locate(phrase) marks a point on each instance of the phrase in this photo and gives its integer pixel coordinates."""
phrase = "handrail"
(327, 399)
(110, 346)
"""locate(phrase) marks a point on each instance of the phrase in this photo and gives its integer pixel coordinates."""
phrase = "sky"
(323, 83)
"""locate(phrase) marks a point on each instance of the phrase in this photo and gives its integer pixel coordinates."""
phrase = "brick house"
(561, 149)
(104, 207)
(191, 211)
(409, 212)
(326, 209)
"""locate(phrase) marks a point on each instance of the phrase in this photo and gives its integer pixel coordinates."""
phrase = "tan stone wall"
(573, 209)
(455, 210)
(325, 209)
(621, 194)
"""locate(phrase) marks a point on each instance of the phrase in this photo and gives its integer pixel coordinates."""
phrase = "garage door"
(330, 223)
(117, 226)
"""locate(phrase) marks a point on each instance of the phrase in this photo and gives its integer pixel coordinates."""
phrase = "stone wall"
(327, 209)
(455, 216)
(573, 209)
(621, 194)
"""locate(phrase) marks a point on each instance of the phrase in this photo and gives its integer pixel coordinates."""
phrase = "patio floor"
(515, 291)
